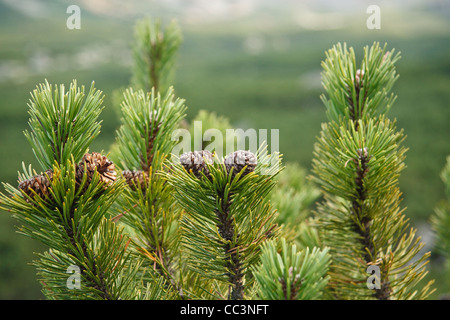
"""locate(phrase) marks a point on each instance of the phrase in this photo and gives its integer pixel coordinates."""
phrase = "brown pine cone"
(196, 162)
(135, 179)
(238, 160)
(40, 184)
(93, 162)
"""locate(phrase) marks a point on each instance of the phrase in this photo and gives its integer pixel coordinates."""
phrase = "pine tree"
(148, 223)
(357, 162)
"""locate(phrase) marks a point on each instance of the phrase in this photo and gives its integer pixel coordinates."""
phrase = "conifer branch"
(358, 93)
(150, 114)
(63, 124)
(227, 214)
(66, 206)
(144, 141)
(155, 53)
(357, 162)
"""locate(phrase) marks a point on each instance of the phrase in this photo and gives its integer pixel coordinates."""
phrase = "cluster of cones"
(89, 165)
(196, 162)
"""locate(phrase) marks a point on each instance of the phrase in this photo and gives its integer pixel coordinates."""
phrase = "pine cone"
(135, 178)
(196, 161)
(238, 160)
(96, 162)
(39, 184)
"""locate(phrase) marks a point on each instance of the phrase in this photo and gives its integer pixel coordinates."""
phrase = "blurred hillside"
(256, 62)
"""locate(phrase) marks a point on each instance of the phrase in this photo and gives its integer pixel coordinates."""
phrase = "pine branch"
(62, 124)
(227, 215)
(147, 118)
(64, 207)
(144, 141)
(155, 53)
(357, 161)
(65, 217)
(107, 271)
(358, 93)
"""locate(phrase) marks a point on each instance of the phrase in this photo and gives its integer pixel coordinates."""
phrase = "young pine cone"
(196, 161)
(135, 179)
(40, 184)
(96, 162)
(238, 160)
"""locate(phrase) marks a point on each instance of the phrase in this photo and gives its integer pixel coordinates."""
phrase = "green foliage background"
(261, 71)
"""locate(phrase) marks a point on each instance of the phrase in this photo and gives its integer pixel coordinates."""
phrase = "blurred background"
(256, 62)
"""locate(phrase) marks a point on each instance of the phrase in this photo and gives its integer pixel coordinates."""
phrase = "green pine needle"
(287, 274)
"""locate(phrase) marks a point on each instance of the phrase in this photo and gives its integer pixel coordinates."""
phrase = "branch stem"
(363, 224)
(234, 265)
